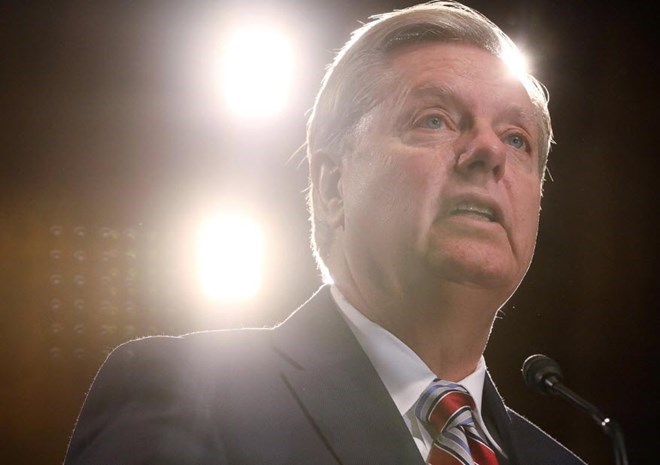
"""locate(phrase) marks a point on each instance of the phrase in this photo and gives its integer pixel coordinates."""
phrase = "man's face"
(445, 183)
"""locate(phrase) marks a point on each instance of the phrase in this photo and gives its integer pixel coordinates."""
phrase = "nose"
(481, 154)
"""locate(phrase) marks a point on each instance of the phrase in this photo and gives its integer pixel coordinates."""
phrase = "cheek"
(397, 185)
(423, 175)
(528, 215)
(391, 179)
(412, 201)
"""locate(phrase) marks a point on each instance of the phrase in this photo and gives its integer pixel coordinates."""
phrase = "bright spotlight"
(257, 70)
(229, 257)
(517, 62)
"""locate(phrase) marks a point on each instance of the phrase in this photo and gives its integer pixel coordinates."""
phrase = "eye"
(432, 122)
(517, 141)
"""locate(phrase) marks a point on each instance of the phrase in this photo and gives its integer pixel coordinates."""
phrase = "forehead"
(458, 73)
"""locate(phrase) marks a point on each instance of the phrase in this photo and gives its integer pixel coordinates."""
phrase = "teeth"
(472, 209)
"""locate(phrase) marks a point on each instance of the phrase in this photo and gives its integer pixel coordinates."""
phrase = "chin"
(478, 271)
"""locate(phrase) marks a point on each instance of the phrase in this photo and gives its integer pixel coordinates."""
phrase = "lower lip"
(463, 223)
(473, 216)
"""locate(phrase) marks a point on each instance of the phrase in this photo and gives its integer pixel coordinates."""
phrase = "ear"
(326, 173)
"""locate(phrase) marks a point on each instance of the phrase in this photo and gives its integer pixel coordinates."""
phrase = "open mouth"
(473, 210)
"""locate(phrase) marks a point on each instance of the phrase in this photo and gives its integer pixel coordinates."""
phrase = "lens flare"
(230, 257)
(256, 70)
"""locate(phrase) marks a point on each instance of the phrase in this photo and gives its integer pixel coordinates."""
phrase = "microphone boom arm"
(608, 425)
(542, 374)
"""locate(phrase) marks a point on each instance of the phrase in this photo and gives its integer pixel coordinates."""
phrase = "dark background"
(105, 163)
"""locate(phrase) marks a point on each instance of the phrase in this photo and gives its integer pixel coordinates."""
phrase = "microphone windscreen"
(536, 369)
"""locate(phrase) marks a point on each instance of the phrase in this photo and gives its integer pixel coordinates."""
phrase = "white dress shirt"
(404, 374)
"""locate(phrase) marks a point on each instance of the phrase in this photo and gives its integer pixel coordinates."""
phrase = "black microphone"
(542, 374)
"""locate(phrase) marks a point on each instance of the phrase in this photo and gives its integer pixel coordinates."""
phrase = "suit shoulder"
(200, 338)
(200, 347)
(528, 434)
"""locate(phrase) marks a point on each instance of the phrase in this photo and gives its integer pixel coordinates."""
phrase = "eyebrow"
(432, 91)
(407, 99)
(528, 120)
(435, 91)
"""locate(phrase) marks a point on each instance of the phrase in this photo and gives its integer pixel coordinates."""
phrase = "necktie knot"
(445, 405)
(448, 408)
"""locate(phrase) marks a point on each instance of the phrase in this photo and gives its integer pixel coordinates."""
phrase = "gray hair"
(354, 83)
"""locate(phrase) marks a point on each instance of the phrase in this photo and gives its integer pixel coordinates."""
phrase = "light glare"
(517, 62)
(257, 70)
(230, 257)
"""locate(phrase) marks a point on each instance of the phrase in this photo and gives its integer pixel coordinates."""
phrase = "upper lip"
(477, 204)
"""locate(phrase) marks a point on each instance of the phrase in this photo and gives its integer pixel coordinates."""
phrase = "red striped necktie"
(448, 408)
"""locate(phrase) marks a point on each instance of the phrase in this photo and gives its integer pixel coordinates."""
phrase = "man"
(426, 160)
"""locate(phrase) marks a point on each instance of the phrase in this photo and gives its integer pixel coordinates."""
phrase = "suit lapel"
(497, 412)
(339, 389)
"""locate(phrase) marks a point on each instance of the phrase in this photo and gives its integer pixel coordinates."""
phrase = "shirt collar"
(403, 373)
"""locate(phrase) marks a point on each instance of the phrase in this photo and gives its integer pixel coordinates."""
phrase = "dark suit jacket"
(302, 393)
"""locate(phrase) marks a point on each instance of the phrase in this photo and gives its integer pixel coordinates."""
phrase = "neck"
(447, 328)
